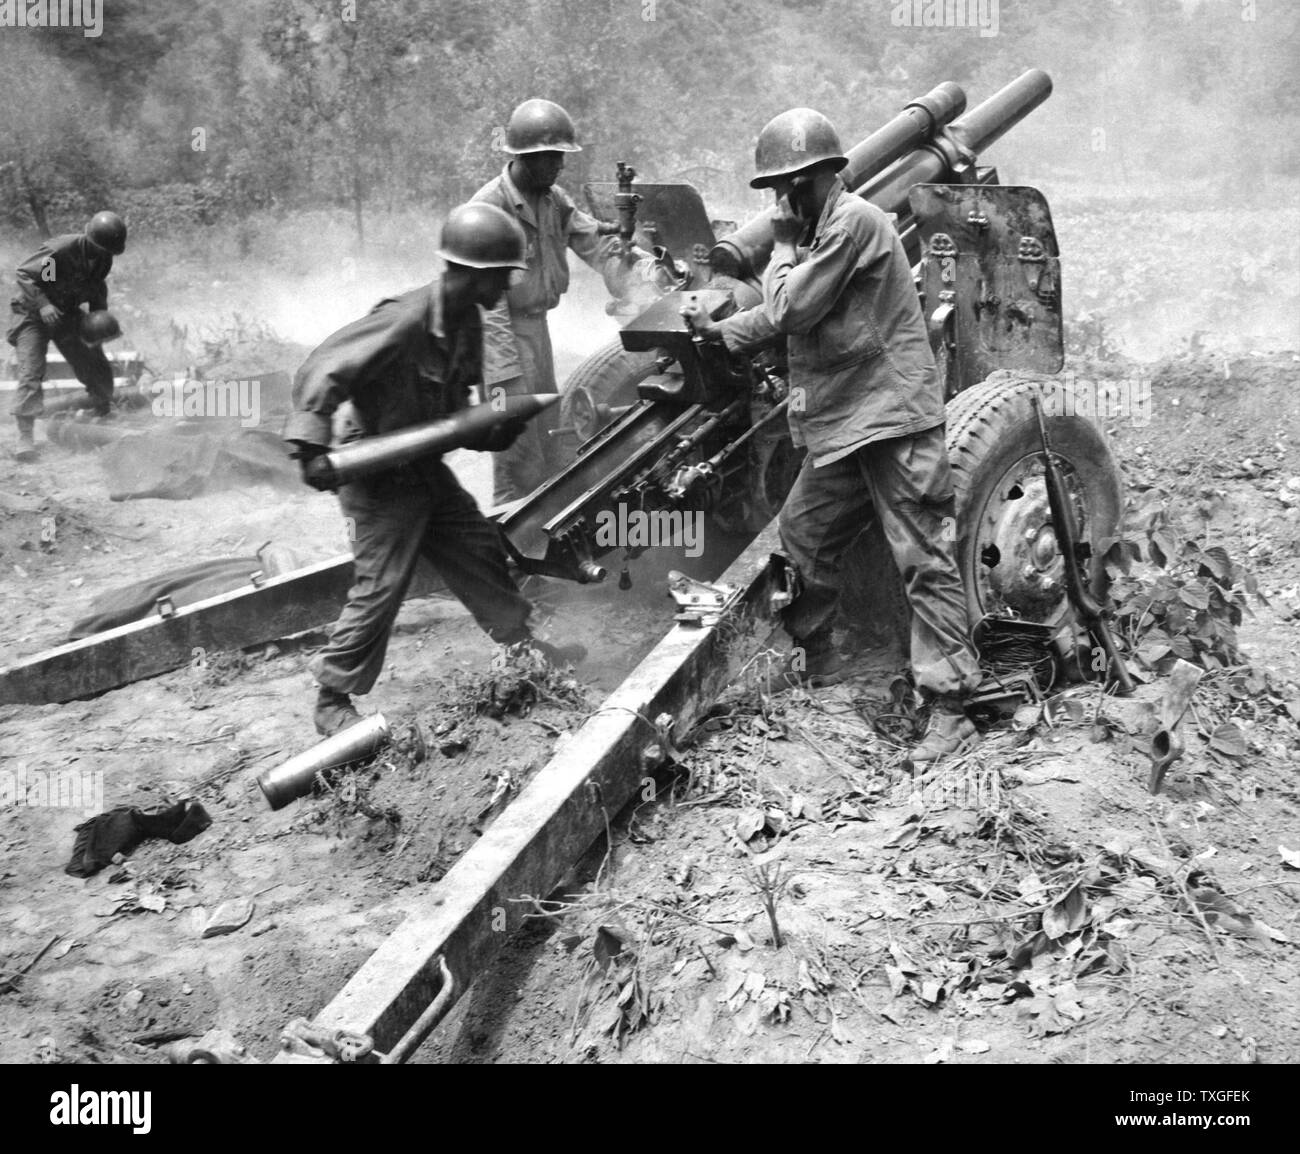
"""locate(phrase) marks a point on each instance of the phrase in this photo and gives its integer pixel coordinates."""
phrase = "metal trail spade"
(1166, 743)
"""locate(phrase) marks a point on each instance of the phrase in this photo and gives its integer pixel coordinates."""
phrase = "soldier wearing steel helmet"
(867, 404)
(413, 359)
(64, 274)
(517, 352)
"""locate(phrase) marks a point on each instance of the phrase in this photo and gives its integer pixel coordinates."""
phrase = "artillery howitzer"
(660, 421)
(666, 422)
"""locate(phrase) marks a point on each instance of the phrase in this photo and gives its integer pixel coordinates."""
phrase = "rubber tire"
(610, 375)
(990, 426)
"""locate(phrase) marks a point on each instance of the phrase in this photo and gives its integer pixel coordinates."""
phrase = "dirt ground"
(1034, 903)
(1031, 902)
(123, 978)
(329, 877)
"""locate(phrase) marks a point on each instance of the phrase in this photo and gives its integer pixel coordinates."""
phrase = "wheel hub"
(585, 413)
(1019, 566)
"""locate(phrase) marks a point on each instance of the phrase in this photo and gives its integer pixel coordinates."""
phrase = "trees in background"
(51, 134)
(223, 106)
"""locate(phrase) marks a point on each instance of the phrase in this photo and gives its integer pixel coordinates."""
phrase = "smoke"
(1168, 151)
(313, 306)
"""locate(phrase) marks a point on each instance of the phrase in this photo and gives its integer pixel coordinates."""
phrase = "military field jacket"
(861, 368)
(398, 365)
(66, 271)
(557, 226)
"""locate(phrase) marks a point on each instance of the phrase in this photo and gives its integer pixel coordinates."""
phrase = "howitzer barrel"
(911, 128)
(378, 454)
(986, 123)
(933, 160)
(936, 162)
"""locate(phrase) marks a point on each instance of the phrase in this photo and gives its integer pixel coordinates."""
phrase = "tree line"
(191, 113)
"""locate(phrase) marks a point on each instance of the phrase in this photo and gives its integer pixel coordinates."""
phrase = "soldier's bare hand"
(787, 225)
(51, 314)
(697, 316)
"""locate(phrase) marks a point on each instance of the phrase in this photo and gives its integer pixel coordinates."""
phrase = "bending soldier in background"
(411, 360)
(867, 404)
(63, 274)
(517, 351)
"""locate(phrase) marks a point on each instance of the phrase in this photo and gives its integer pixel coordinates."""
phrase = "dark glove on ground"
(121, 830)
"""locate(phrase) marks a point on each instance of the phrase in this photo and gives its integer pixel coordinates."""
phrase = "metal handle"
(424, 1024)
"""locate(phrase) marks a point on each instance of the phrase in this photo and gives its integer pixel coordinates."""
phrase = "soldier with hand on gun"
(412, 360)
(867, 404)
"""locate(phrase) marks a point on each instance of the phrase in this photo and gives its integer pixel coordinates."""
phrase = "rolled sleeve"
(310, 428)
(746, 331)
(583, 236)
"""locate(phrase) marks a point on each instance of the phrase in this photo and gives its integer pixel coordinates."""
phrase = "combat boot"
(26, 448)
(949, 729)
(814, 662)
(334, 712)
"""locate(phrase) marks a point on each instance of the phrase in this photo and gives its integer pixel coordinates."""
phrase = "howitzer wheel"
(1007, 549)
(607, 378)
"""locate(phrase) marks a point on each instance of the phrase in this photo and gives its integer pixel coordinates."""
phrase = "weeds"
(1190, 609)
(211, 671)
(767, 874)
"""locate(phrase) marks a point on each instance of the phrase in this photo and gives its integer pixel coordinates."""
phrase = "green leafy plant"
(1190, 608)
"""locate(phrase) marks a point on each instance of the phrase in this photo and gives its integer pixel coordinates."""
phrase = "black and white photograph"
(651, 532)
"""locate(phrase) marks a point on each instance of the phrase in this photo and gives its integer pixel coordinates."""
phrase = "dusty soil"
(328, 876)
(1031, 902)
(911, 910)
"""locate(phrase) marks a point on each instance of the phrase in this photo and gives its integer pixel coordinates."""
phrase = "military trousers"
(31, 339)
(394, 520)
(907, 483)
(536, 455)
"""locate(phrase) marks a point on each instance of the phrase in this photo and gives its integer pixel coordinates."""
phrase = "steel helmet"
(480, 235)
(100, 325)
(108, 231)
(540, 126)
(793, 141)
